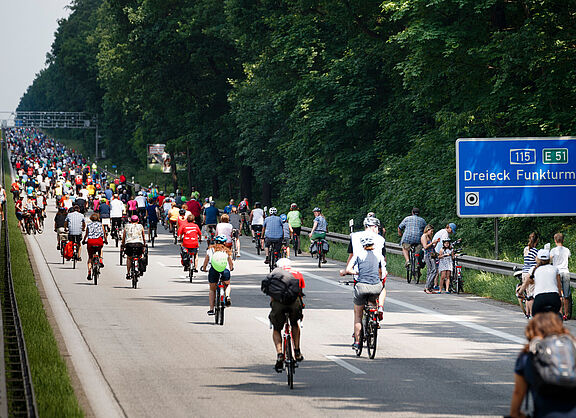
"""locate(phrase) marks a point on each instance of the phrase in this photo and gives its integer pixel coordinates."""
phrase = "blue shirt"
(108, 193)
(413, 227)
(322, 224)
(228, 209)
(274, 228)
(211, 213)
(152, 216)
(104, 210)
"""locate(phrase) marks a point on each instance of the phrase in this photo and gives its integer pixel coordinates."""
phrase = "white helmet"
(283, 263)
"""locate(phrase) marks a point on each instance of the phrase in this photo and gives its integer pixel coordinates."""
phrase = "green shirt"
(294, 219)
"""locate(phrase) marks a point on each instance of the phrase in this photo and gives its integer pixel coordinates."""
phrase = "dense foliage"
(349, 105)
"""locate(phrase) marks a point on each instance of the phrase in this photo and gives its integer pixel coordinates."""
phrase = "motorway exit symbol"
(498, 177)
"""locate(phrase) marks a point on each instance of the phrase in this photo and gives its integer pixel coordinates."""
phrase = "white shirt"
(224, 228)
(141, 200)
(443, 235)
(133, 233)
(545, 279)
(358, 249)
(257, 216)
(116, 208)
(559, 257)
(84, 194)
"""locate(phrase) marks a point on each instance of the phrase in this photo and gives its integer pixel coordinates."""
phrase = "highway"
(153, 351)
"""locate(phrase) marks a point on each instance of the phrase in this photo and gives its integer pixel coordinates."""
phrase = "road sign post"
(501, 177)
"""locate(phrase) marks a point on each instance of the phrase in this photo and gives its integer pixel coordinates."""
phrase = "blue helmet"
(283, 217)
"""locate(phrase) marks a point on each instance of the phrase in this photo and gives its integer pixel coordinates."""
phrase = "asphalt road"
(153, 351)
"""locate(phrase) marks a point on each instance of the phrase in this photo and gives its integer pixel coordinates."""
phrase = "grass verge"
(488, 285)
(55, 396)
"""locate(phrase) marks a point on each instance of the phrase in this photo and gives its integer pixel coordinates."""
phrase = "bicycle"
(95, 267)
(191, 262)
(220, 302)
(274, 255)
(295, 243)
(121, 255)
(369, 330)
(290, 362)
(210, 234)
(152, 233)
(319, 251)
(62, 240)
(413, 267)
(258, 240)
(134, 273)
(235, 236)
(245, 227)
(456, 283)
(75, 255)
(29, 225)
(115, 233)
(174, 228)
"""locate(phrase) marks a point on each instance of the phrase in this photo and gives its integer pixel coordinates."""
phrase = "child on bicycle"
(214, 275)
(445, 257)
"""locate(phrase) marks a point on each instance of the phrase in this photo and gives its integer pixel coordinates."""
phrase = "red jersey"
(161, 200)
(195, 208)
(190, 232)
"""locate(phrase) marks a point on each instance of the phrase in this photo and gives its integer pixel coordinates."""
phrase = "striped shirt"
(75, 223)
(529, 258)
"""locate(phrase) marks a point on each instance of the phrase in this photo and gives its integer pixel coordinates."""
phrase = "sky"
(26, 34)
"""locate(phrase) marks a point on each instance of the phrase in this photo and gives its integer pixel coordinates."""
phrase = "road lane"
(162, 356)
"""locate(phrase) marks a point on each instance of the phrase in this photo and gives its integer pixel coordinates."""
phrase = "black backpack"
(281, 285)
(555, 365)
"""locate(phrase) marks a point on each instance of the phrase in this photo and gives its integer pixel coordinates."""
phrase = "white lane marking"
(348, 366)
(265, 321)
(443, 317)
(161, 264)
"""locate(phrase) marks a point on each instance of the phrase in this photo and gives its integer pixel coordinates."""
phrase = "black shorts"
(275, 243)
(75, 238)
(296, 230)
(94, 249)
(134, 250)
(257, 228)
(278, 313)
(546, 302)
(214, 276)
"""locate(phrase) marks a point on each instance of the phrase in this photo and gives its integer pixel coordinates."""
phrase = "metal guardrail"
(505, 268)
(18, 390)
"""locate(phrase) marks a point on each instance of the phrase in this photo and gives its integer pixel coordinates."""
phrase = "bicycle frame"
(219, 302)
(288, 351)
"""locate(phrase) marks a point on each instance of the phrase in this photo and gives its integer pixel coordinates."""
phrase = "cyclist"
(94, 239)
(132, 205)
(19, 209)
(191, 235)
(355, 247)
(116, 212)
(214, 276)
(273, 233)
(152, 213)
(104, 211)
(141, 200)
(319, 228)
(235, 221)
(370, 268)
(244, 211)
(173, 214)
(60, 224)
(295, 221)
(411, 229)
(195, 209)
(228, 208)
(75, 225)
(133, 242)
(278, 311)
(256, 219)
(225, 228)
(287, 234)
(211, 215)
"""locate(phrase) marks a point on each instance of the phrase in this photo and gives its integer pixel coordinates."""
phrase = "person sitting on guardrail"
(559, 256)
(411, 229)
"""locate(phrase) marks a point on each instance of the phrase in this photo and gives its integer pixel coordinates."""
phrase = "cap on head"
(134, 218)
(543, 254)
(452, 226)
(283, 263)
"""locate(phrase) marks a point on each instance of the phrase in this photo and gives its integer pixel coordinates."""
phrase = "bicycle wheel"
(134, 278)
(152, 235)
(222, 306)
(257, 245)
(217, 306)
(234, 249)
(74, 257)
(121, 255)
(409, 271)
(191, 271)
(360, 340)
(95, 273)
(289, 362)
(116, 238)
(371, 338)
(320, 256)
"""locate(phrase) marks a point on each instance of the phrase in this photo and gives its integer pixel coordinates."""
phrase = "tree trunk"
(215, 186)
(246, 182)
(188, 168)
(267, 194)
(173, 171)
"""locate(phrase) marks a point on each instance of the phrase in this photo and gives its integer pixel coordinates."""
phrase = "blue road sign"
(497, 177)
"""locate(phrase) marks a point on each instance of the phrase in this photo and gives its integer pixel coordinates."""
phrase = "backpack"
(282, 286)
(554, 360)
(69, 250)
(313, 247)
(325, 246)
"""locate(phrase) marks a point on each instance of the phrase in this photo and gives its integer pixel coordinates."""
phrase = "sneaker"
(298, 355)
(195, 270)
(238, 255)
(128, 277)
(279, 366)
(324, 261)
(565, 318)
(299, 251)
(253, 240)
(436, 287)
(186, 268)
(210, 312)
(101, 263)
(228, 301)
(407, 263)
(89, 277)
(355, 346)
(58, 247)
(267, 261)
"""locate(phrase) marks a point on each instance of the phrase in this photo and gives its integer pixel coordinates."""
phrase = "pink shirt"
(132, 205)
